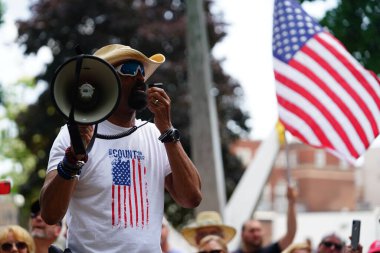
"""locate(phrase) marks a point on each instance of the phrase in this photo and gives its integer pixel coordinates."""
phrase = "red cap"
(375, 247)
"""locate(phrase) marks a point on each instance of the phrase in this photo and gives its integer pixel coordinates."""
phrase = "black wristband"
(170, 135)
(63, 173)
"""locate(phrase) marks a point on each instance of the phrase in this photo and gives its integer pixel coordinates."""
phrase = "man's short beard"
(137, 100)
(39, 234)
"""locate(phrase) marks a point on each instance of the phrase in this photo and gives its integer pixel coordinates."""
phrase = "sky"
(15, 64)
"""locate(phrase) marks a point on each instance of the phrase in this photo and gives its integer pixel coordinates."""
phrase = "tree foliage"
(150, 26)
(357, 25)
(1, 12)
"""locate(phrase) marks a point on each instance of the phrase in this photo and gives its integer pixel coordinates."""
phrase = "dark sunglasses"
(130, 68)
(8, 246)
(34, 215)
(336, 245)
(212, 251)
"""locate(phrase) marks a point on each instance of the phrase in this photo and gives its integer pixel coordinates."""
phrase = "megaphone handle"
(54, 249)
(91, 143)
(76, 140)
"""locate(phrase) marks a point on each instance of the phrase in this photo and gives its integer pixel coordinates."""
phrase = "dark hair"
(333, 235)
(35, 209)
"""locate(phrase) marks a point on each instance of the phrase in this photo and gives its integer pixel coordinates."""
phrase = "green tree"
(1, 12)
(150, 26)
(14, 154)
(357, 25)
(1, 21)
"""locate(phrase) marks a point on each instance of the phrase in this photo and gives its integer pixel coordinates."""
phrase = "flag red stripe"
(359, 76)
(319, 132)
(118, 204)
(113, 205)
(336, 99)
(135, 193)
(141, 196)
(130, 206)
(146, 198)
(125, 206)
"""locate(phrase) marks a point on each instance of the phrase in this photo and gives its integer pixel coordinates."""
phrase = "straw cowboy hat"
(297, 246)
(116, 54)
(207, 219)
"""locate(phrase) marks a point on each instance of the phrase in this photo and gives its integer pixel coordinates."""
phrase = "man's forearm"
(185, 186)
(55, 197)
(291, 221)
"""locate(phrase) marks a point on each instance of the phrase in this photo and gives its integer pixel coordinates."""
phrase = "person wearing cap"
(114, 195)
(207, 223)
(43, 234)
(252, 231)
(373, 248)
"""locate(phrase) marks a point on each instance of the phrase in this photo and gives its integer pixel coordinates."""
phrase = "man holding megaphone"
(113, 195)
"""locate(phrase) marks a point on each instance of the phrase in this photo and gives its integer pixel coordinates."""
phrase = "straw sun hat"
(207, 219)
(115, 54)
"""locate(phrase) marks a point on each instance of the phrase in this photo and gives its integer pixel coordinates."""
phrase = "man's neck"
(123, 120)
(42, 245)
(250, 248)
(165, 247)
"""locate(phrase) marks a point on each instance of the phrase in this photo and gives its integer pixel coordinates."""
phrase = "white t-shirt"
(118, 203)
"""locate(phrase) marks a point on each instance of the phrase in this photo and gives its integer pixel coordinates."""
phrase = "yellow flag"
(281, 132)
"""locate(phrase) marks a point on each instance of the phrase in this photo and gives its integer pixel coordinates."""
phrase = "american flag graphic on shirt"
(130, 202)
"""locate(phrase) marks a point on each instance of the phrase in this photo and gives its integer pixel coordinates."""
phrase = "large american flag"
(326, 98)
(130, 203)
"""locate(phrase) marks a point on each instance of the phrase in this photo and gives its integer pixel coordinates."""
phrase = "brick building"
(324, 182)
(8, 210)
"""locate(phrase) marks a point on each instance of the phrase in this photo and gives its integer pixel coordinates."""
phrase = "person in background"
(212, 244)
(252, 232)
(207, 223)
(165, 245)
(15, 239)
(43, 234)
(331, 243)
(373, 248)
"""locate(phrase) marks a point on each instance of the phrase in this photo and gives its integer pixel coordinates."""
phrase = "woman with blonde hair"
(15, 239)
(212, 244)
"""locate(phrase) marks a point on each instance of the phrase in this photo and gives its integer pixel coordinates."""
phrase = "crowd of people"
(112, 196)
(37, 239)
(207, 234)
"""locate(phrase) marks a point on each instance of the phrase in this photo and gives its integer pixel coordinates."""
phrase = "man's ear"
(57, 230)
